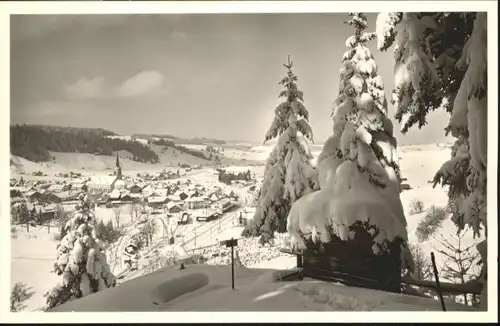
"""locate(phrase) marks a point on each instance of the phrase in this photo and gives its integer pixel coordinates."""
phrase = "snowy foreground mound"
(208, 288)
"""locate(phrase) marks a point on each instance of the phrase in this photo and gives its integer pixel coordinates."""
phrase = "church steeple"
(118, 168)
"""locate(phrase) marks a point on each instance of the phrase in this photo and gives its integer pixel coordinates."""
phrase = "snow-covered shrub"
(162, 260)
(416, 206)
(289, 173)
(250, 251)
(431, 223)
(81, 260)
(57, 236)
(108, 232)
(13, 232)
(18, 295)
(423, 266)
(461, 262)
(358, 168)
(147, 231)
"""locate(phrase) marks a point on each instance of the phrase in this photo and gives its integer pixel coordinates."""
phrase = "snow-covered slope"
(196, 287)
(168, 157)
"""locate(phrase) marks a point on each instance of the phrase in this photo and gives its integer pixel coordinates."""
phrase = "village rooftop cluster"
(167, 192)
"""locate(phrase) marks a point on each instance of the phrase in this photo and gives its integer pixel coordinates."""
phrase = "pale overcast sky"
(186, 75)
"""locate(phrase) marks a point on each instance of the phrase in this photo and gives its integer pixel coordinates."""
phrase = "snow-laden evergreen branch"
(441, 62)
(454, 45)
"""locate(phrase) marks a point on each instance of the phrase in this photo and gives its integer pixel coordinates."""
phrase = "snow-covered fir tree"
(80, 260)
(289, 173)
(441, 61)
(358, 167)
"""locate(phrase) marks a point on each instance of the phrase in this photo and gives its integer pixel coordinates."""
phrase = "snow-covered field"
(32, 258)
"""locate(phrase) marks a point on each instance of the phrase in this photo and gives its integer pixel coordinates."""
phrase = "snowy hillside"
(65, 162)
(33, 254)
(194, 289)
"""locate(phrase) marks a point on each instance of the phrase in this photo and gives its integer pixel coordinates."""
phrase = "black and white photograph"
(267, 160)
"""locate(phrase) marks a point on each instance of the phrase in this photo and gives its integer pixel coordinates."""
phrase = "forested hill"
(179, 140)
(33, 142)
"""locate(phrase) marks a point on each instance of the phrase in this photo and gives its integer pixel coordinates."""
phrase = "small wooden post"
(438, 288)
(232, 266)
(231, 243)
(299, 261)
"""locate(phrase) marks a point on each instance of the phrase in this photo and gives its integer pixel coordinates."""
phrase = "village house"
(114, 195)
(157, 202)
(79, 186)
(173, 208)
(213, 198)
(148, 190)
(173, 189)
(135, 197)
(41, 214)
(135, 189)
(50, 197)
(33, 195)
(172, 175)
(196, 203)
(161, 192)
(58, 187)
(102, 184)
(182, 195)
(16, 200)
(44, 186)
(15, 192)
(67, 196)
(161, 176)
(127, 198)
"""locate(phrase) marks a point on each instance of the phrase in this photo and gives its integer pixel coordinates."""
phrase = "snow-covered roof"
(120, 184)
(170, 205)
(159, 199)
(115, 194)
(101, 181)
(161, 192)
(65, 194)
(195, 199)
(32, 192)
(56, 187)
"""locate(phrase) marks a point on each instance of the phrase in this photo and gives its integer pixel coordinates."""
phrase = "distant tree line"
(177, 140)
(227, 177)
(170, 143)
(33, 142)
